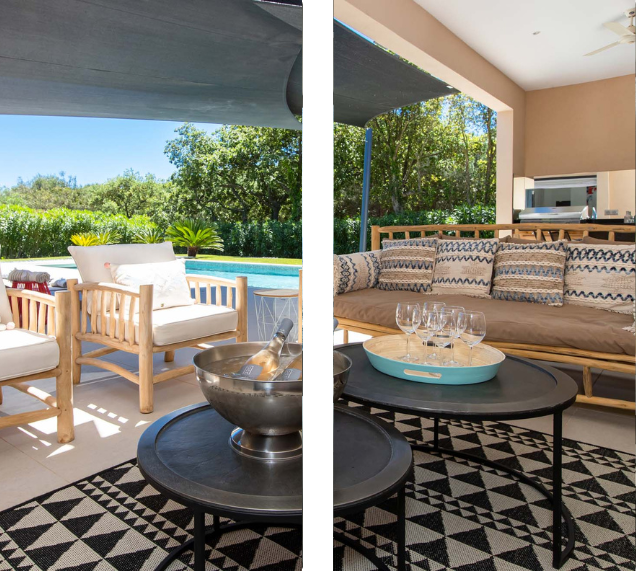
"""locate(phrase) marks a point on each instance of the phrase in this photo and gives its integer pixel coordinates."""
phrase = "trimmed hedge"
(28, 233)
(347, 232)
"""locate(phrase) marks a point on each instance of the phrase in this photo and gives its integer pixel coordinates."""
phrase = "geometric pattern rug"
(462, 515)
(459, 515)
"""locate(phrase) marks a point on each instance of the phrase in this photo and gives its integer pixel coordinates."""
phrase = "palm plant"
(150, 235)
(194, 234)
(95, 239)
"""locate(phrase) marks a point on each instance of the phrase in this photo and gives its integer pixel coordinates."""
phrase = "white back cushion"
(5, 308)
(90, 260)
(170, 289)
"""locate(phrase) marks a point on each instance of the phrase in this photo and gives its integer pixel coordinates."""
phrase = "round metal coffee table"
(521, 389)
(372, 461)
(187, 457)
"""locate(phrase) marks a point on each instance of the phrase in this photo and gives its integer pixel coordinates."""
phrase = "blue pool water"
(266, 276)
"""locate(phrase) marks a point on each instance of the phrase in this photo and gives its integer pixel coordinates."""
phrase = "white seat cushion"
(24, 352)
(177, 324)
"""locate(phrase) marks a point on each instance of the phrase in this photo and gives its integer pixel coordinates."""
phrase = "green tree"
(237, 173)
(44, 192)
(132, 194)
(435, 155)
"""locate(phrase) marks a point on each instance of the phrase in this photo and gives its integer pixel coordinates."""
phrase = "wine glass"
(444, 335)
(427, 329)
(407, 317)
(472, 325)
(433, 306)
(456, 310)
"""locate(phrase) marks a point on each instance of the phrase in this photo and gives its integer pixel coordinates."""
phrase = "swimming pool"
(266, 276)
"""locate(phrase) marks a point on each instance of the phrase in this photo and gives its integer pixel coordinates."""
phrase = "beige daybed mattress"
(507, 321)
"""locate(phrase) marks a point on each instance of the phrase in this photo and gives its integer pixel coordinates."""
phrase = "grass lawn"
(286, 261)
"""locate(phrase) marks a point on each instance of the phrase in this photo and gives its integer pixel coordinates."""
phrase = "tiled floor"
(108, 426)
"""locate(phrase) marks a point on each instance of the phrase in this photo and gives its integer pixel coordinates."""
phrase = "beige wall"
(616, 190)
(589, 127)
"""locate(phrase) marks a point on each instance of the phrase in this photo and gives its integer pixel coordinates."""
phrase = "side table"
(271, 306)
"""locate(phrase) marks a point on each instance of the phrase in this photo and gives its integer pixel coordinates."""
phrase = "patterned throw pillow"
(407, 265)
(356, 271)
(600, 276)
(464, 267)
(530, 272)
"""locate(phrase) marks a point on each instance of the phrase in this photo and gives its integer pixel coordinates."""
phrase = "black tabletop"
(187, 457)
(372, 460)
(521, 389)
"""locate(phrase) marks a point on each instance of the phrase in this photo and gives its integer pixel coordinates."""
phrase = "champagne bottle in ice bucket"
(294, 370)
(263, 364)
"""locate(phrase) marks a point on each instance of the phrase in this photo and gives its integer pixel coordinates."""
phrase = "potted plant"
(194, 234)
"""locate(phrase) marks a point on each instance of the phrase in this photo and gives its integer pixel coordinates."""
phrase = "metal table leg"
(199, 541)
(401, 521)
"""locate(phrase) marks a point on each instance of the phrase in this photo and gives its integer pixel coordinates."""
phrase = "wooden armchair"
(114, 322)
(39, 347)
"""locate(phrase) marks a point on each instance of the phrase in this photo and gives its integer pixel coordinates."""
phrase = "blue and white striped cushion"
(601, 276)
(407, 265)
(464, 267)
(356, 271)
(530, 272)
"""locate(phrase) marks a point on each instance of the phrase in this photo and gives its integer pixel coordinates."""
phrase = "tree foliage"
(237, 173)
(435, 155)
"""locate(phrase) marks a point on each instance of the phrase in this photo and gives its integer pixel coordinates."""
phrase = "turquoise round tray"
(384, 353)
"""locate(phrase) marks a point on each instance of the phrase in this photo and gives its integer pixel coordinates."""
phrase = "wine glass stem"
(408, 345)
(426, 351)
(470, 356)
(452, 350)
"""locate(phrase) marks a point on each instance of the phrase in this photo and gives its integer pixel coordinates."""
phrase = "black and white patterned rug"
(459, 515)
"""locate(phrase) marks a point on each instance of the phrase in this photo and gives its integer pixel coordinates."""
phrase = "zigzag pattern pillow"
(407, 265)
(530, 272)
(356, 271)
(600, 276)
(464, 267)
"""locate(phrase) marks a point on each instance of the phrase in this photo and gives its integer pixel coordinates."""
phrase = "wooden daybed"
(614, 348)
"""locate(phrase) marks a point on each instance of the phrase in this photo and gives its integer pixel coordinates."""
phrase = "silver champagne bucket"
(341, 367)
(268, 414)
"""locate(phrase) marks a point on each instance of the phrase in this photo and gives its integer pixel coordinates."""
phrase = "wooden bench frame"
(49, 315)
(586, 359)
(114, 339)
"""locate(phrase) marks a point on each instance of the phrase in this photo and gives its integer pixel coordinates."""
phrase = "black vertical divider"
(317, 285)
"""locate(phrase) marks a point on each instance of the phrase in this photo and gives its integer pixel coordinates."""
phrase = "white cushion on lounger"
(90, 260)
(183, 323)
(24, 352)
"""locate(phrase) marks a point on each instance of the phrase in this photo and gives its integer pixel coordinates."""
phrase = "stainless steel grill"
(560, 214)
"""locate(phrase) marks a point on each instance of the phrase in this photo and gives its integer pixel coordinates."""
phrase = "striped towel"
(29, 276)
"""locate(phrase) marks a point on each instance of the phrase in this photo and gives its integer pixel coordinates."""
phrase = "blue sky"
(93, 150)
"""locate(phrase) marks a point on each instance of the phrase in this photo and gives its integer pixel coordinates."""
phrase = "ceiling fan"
(627, 33)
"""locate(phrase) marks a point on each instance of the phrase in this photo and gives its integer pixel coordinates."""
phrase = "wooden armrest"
(107, 287)
(29, 294)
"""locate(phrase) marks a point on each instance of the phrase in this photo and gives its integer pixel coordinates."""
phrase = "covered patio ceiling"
(370, 81)
(211, 61)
